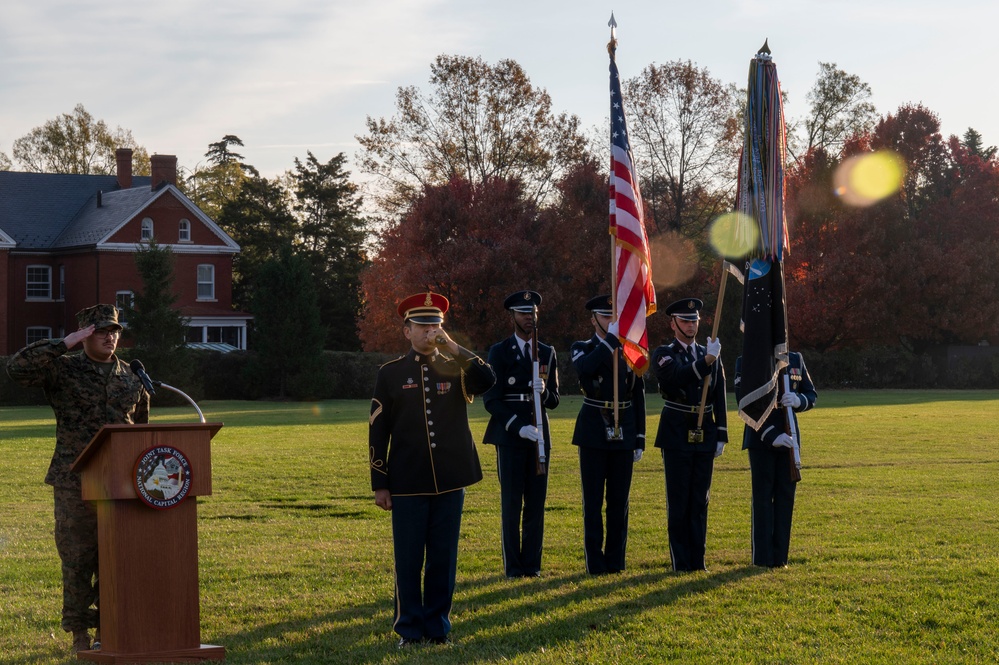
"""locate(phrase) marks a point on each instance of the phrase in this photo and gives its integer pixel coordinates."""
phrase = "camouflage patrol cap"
(100, 316)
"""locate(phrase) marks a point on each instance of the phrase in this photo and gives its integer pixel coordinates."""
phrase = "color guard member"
(681, 367)
(769, 449)
(512, 430)
(605, 461)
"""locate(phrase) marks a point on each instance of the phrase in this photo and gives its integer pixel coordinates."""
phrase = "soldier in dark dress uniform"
(87, 391)
(769, 466)
(681, 367)
(511, 429)
(422, 457)
(606, 463)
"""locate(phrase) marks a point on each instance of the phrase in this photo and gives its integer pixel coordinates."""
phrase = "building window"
(123, 300)
(147, 228)
(206, 282)
(184, 231)
(62, 282)
(39, 283)
(38, 333)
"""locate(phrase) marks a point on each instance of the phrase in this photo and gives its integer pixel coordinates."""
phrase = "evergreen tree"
(261, 221)
(331, 235)
(972, 142)
(156, 327)
(288, 335)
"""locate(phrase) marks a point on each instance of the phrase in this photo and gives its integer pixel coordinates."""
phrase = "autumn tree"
(835, 273)
(331, 235)
(467, 241)
(5, 163)
(76, 143)
(683, 130)
(915, 269)
(839, 107)
(477, 122)
(913, 133)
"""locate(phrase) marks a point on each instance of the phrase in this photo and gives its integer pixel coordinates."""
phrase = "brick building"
(68, 242)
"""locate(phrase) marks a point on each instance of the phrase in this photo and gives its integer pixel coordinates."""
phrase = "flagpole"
(611, 49)
(714, 335)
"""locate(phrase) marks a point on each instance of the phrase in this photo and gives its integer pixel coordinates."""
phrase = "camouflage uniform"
(84, 398)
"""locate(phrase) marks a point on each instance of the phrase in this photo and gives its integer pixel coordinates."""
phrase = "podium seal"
(162, 477)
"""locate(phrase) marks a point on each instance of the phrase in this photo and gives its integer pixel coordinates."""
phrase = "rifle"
(538, 417)
(794, 454)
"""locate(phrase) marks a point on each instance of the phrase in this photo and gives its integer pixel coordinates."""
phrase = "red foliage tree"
(919, 268)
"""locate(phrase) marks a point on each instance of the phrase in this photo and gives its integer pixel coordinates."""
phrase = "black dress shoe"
(444, 639)
(409, 641)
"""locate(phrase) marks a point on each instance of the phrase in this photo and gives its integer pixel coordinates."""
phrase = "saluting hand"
(74, 338)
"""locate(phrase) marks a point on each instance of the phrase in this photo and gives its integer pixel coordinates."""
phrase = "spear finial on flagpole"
(612, 44)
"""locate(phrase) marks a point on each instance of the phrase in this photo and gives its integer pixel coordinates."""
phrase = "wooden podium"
(149, 604)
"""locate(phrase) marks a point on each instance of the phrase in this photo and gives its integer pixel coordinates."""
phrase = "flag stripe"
(635, 298)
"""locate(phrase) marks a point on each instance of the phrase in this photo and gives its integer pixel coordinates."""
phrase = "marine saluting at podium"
(422, 457)
(87, 391)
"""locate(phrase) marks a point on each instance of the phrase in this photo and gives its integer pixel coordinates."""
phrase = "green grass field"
(893, 558)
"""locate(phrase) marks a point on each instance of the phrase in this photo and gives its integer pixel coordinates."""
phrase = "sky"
(288, 76)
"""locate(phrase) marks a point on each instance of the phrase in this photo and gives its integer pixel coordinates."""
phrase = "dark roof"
(55, 210)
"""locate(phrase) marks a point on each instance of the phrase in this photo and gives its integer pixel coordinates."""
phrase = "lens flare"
(734, 235)
(864, 180)
(674, 260)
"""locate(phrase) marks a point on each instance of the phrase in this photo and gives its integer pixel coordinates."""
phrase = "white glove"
(539, 386)
(530, 432)
(790, 399)
(714, 347)
(613, 328)
(638, 454)
(784, 441)
(720, 449)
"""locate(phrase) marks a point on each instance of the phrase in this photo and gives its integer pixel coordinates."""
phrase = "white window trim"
(131, 303)
(46, 333)
(28, 283)
(201, 298)
(184, 225)
(146, 222)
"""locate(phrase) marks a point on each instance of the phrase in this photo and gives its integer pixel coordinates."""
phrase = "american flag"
(635, 298)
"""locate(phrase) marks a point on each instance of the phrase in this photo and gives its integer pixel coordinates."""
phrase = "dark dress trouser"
(522, 493)
(688, 484)
(773, 506)
(425, 540)
(605, 470)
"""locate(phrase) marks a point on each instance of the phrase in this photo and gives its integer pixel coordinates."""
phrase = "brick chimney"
(164, 169)
(124, 158)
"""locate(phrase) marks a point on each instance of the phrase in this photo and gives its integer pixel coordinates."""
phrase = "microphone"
(140, 371)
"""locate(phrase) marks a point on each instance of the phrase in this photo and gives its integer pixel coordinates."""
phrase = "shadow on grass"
(496, 618)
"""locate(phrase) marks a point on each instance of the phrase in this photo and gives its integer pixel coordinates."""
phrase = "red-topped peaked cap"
(424, 308)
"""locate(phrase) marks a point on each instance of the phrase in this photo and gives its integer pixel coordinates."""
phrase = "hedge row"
(341, 375)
